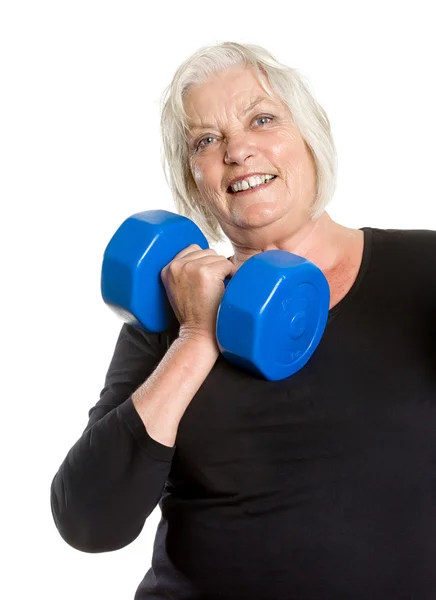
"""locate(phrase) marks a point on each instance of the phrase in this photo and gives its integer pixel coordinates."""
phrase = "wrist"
(199, 337)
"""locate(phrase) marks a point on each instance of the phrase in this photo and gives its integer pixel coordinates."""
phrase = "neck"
(324, 242)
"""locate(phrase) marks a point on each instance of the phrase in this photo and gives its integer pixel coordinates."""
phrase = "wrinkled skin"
(227, 141)
(238, 143)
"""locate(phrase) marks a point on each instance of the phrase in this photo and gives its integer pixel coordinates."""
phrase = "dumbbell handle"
(141, 247)
(272, 314)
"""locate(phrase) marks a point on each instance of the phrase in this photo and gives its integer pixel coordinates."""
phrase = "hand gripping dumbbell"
(273, 312)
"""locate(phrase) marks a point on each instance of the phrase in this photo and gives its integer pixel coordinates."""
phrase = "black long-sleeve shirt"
(321, 486)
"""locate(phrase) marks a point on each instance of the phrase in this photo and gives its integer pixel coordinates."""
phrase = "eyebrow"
(256, 101)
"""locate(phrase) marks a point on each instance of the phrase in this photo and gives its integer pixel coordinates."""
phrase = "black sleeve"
(112, 478)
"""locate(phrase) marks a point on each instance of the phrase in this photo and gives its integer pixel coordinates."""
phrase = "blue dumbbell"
(272, 315)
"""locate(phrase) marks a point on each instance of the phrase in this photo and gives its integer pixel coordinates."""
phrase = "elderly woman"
(321, 485)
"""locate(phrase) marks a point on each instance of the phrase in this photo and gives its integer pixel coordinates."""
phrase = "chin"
(258, 215)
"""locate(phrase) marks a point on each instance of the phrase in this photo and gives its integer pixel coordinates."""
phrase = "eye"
(265, 118)
(203, 142)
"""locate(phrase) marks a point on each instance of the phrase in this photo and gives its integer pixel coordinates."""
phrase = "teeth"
(251, 182)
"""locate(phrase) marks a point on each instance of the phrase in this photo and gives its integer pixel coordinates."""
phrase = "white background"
(80, 84)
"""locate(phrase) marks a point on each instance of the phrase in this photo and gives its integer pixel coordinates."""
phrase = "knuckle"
(189, 267)
(173, 267)
(203, 269)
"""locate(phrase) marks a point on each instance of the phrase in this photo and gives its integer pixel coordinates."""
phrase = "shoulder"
(405, 244)
(405, 259)
(404, 236)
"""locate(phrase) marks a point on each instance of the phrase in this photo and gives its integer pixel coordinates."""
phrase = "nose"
(239, 149)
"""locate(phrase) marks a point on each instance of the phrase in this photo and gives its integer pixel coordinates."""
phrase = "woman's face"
(237, 130)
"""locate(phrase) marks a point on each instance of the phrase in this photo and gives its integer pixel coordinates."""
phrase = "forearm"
(164, 397)
(113, 476)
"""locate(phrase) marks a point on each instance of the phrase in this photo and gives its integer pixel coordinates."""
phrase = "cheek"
(284, 148)
(197, 173)
(290, 153)
(206, 185)
(203, 174)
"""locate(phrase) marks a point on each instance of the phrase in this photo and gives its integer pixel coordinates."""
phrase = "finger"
(218, 265)
(193, 249)
(188, 255)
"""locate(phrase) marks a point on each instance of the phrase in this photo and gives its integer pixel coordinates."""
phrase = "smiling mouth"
(251, 189)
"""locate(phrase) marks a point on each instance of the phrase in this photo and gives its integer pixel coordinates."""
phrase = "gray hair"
(287, 83)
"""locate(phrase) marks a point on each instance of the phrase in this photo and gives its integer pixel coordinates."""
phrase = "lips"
(251, 189)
